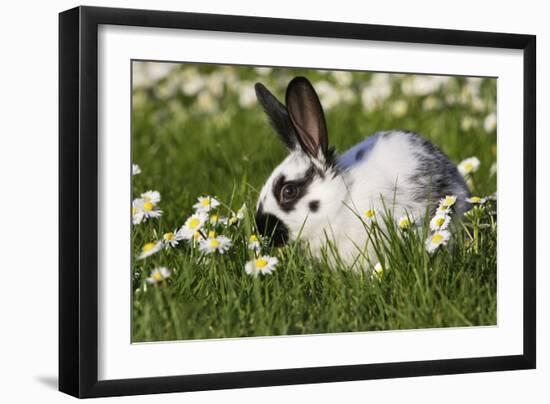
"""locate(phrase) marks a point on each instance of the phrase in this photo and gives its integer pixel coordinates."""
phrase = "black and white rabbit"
(317, 194)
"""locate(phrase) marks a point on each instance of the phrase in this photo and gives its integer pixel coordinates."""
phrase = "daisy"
(448, 201)
(378, 270)
(490, 122)
(241, 212)
(404, 222)
(196, 237)
(254, 242)
(192, 225)
(143, 209)
(440, 222)
(436, 239)
(158, 275)
(150, 249)
(206, 204)
(468, 166)
(151, 197)
(369, 216)
(264, 265)
(476, 199)
(136, 169)
(235, 218)
(215, 243)
(172, 238)
(216, 219)
(138, 214)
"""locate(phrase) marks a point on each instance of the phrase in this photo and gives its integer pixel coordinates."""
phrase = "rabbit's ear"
(278, 115)
(306, 114)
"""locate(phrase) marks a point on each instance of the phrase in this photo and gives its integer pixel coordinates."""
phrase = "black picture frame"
(78, 196)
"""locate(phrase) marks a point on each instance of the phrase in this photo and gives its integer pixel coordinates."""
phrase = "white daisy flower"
(399, 108)
(216, 219)
(430, 103)
(150, 249)
(404, 222)
(476, 200)
(436, 239)
(343, 78)
(192, 225)
(493, 169)
(241, 212)
(255, 242)
(235, 218)
(443, 210)
(490, 122)
(138, 214)
(158, 275)
(143, 209)
(172, 238)
(468, 166)
(247, 95)
(206, 204)
(264, 265)
(214, 243)
(369, 216)
(263, 71)
(136, 169)
(378, 270)
(448, 201)
(440, 222)
(151, 196)
(232, 220)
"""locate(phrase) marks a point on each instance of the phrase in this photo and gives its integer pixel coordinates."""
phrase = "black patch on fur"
(301, 183)
(436, 175)
(270, 226)
(359, 155)
(314, 206)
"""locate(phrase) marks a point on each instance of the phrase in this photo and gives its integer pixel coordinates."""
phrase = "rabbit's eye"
(289, 192)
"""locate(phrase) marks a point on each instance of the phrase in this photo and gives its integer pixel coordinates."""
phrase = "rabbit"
(316, 195)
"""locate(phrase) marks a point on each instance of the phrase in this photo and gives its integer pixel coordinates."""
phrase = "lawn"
(197, 130)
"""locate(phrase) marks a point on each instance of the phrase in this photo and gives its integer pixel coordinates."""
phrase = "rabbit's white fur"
(394, 171)
(375, 182)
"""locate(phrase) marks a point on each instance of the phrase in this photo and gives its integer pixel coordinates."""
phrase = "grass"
(188, 144)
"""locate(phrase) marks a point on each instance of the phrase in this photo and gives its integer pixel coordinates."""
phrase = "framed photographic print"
(250, 201)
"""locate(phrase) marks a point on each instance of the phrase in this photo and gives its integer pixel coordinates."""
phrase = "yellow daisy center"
(437, 238)
(253, 238)
(260, 263)
(475, 199)
(158, 276)
(211, 234)
(448, 201)
(439, 221)
(404, 223)
(215, 218)
(468, 167)
(214, 243)
(169, 236)
(369, 213)
(205, 202)
(148, 206)
(194, 223)
(148, 247)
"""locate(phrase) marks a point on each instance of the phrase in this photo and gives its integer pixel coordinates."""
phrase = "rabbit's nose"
(270, 226)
